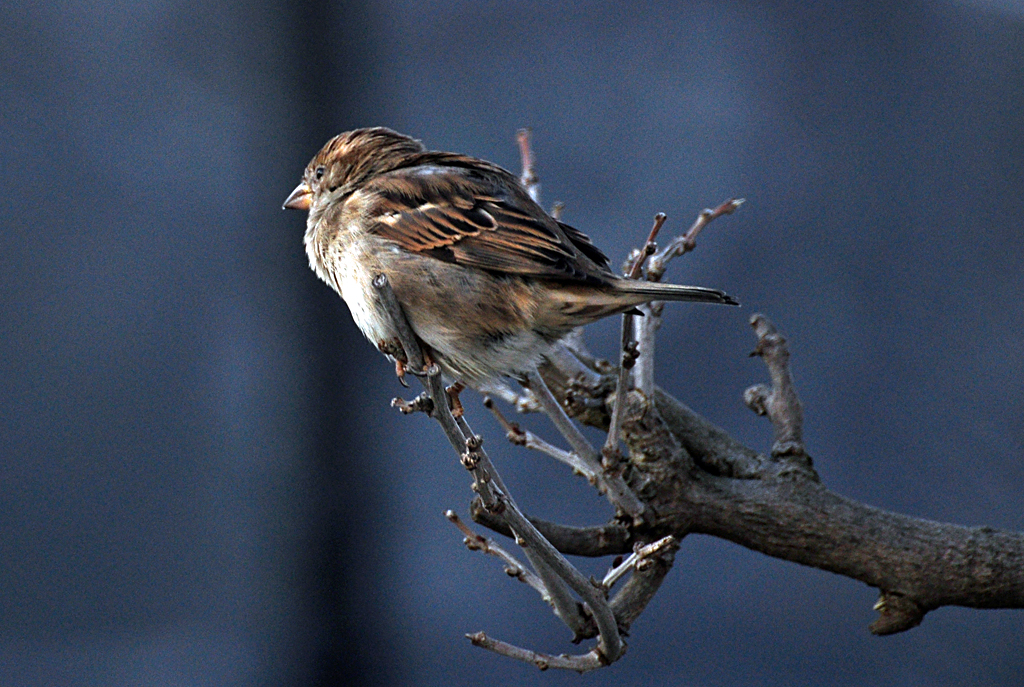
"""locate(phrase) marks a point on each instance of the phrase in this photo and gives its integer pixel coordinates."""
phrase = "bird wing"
(477, 218)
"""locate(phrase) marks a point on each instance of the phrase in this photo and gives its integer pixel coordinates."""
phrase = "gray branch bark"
(695, 478)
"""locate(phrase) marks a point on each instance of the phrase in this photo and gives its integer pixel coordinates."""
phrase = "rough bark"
(694, 478)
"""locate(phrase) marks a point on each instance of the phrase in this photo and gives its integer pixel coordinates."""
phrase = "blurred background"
(201, 482)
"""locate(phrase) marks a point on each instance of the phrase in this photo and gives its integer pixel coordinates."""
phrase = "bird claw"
(400, 373)
(453, 392)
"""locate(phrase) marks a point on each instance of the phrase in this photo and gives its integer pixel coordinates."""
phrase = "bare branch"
(927, 563)
(611, 456)
(406, 337)
(643, 584)
(582, 663)
(780, 403)
(420, 404)
(521, 437)
(556, 572)
(610, 643)
(611, 539)
(786, 513)
(513, 568)
(640, 559)
(688, 241)
(552, 589)
(560, 597)
(639, 257)
(529, 178)
(684, 475)
(711, 446)
(610, 483)
(644, 330)
(628, 350)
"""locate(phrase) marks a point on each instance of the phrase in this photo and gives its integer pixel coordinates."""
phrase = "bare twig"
(610, 483)
(639, 257)
(644, 330)
(611, 539)
(646, 327)
(529, 178)
(456, 437)
(513, 568)
(550, 565)
(568, 610)
(688, 241)
(582, 663)
(413, 352)
(545, 582)
(535, 548)
(638, 591)
(521, 437)
(780, 403)
(549, 404)
(628, 354)
(609, 642)
(640, 559)
(420, 404)
(629, 351)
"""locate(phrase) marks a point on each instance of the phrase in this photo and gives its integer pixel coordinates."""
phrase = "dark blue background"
(201, 482)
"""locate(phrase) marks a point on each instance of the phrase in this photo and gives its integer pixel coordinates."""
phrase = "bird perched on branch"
(488, 281)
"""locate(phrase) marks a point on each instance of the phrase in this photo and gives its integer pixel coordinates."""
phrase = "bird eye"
(320, 173)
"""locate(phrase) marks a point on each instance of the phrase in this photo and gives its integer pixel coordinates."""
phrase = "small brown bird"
(488, 280)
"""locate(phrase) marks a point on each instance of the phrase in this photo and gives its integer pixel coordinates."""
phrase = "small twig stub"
(779, 402)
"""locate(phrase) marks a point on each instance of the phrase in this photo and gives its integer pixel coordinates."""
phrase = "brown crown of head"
(350, 158)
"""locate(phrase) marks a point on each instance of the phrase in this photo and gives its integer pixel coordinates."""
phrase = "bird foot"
(453, 392)
(400, 373)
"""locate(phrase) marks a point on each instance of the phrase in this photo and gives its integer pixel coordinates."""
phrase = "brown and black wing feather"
(479, 218)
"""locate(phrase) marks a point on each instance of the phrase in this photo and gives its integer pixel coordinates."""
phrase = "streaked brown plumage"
(488, 280)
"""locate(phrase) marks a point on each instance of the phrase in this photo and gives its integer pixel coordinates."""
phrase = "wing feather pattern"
(451, 214)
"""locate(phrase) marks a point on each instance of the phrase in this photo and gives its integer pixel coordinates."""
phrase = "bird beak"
(299, 199)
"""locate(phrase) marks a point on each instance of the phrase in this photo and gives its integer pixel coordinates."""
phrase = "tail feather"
(656, 291)
(576, 305)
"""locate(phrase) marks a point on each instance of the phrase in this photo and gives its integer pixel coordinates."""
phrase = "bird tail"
(578, 305)
(655, 291)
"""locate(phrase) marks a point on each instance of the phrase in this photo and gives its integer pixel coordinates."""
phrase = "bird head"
(347, 160)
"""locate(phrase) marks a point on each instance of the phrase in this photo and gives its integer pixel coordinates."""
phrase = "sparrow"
(488, 280)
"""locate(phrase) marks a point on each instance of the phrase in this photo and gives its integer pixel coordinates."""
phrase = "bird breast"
(478, 325)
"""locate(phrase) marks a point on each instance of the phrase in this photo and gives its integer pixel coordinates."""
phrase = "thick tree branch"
(929, 563)
(777, 506)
